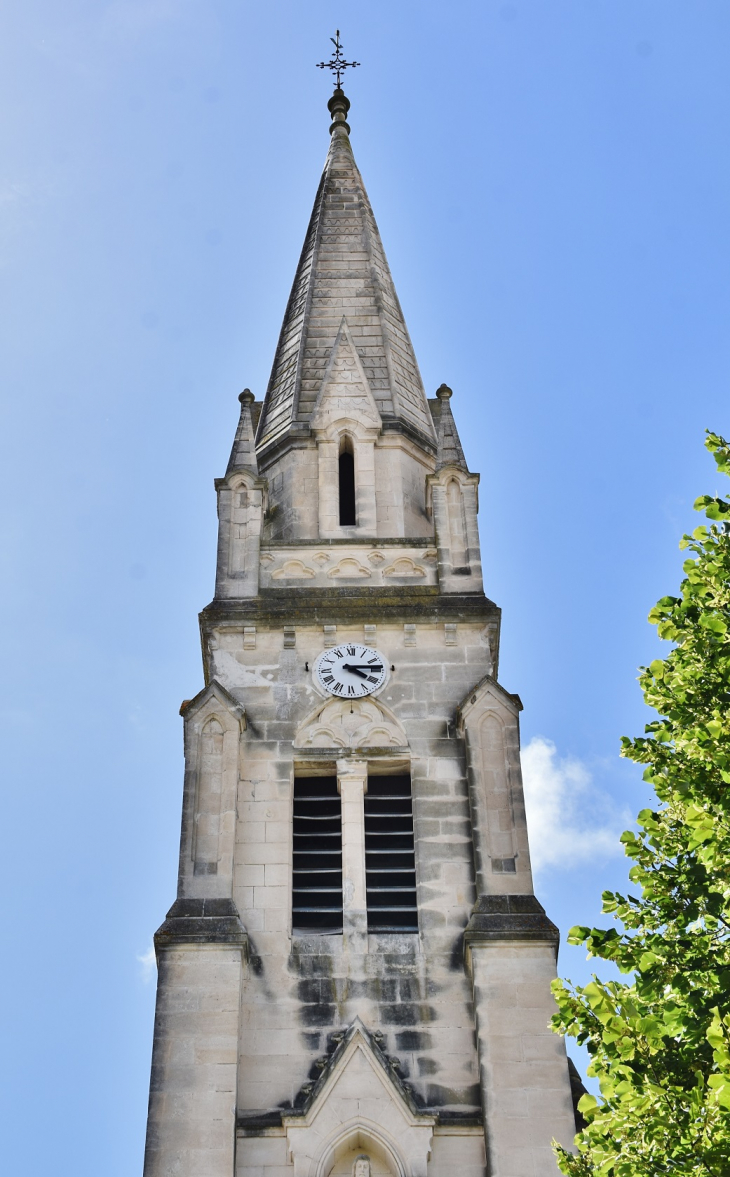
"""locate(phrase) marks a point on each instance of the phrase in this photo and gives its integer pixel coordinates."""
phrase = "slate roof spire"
(343, 271)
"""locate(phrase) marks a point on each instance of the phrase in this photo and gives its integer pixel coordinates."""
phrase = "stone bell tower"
(354, 977)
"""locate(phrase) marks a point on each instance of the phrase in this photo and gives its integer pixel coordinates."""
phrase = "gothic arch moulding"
(357, 1107)
(293, 570)
(348, 568)
(356, 723)
(404, 567)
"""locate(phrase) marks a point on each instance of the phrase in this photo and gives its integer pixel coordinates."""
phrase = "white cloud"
(148, 963)
(569, 820)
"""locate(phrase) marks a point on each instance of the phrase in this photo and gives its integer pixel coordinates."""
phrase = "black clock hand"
(362, 666)
(353, 669)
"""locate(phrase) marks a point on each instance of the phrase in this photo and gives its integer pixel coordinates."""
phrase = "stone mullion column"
(473, 549)
(352, 782)
(225, 501)
(329, 490)
(366, 509)
(479, 816)
(249, 542)
(440, 510)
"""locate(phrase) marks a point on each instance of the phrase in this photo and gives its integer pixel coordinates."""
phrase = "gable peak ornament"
(361, 1167)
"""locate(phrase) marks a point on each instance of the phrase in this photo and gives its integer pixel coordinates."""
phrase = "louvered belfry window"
(317, 882)
(390, 865)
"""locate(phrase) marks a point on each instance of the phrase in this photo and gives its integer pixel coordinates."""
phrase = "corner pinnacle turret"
(449, 451)
(243, 454)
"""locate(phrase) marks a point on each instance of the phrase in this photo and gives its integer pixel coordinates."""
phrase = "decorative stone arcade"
(355, 975)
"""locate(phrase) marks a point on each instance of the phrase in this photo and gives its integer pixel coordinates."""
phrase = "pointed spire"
(343, 270)
(449, 452)
(243, 454)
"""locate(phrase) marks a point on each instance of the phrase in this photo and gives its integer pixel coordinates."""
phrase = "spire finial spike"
(337, 63)
(449, 451)
(243, 454)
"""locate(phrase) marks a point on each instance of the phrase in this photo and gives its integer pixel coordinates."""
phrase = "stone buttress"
(297, 1032)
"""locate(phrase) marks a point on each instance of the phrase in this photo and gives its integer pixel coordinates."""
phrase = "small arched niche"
(354, 1145)
(346, 473)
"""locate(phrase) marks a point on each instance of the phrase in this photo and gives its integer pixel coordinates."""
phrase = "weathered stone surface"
(281, 1053)
(202, 921)
(510, 917)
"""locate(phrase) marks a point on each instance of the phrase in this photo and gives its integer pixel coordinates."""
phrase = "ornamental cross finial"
(337, 63)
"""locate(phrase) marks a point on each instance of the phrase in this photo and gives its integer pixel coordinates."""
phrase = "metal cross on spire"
(337, 63)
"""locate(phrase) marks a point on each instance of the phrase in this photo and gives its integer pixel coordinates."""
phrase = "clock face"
(351, 671)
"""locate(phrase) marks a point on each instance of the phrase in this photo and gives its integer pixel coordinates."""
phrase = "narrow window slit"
(348, 516)
(317, 878)
(390, 865)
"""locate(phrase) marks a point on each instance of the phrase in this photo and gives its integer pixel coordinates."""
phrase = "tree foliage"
(660, 1040)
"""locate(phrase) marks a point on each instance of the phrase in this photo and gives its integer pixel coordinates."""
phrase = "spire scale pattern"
(343, 270)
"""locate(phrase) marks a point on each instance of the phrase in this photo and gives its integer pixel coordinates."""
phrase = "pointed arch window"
(346, 464)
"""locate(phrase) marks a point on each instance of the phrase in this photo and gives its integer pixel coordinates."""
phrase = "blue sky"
(551, 182)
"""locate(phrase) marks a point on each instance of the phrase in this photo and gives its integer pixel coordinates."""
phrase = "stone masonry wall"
(412, 988)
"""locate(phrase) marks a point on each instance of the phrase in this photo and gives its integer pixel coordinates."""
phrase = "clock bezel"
(330, 694)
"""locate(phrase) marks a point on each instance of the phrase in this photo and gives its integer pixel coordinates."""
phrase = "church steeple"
(343, 271)
(353, 826)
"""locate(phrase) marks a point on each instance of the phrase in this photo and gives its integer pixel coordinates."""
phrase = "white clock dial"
(350, 671)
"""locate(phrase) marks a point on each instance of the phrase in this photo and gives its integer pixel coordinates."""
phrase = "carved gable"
(359, 1104)
(345, 393)
(356, 723)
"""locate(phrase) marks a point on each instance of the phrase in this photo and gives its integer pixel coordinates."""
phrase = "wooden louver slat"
(317, 879)
(390, 865)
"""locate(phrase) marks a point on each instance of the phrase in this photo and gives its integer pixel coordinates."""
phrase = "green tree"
(660, 1040)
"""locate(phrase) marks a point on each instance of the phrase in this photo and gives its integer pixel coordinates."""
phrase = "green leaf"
(658, 1037)
(587, 1103)
(720, 1085)
(712, 622)
(578, 934)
